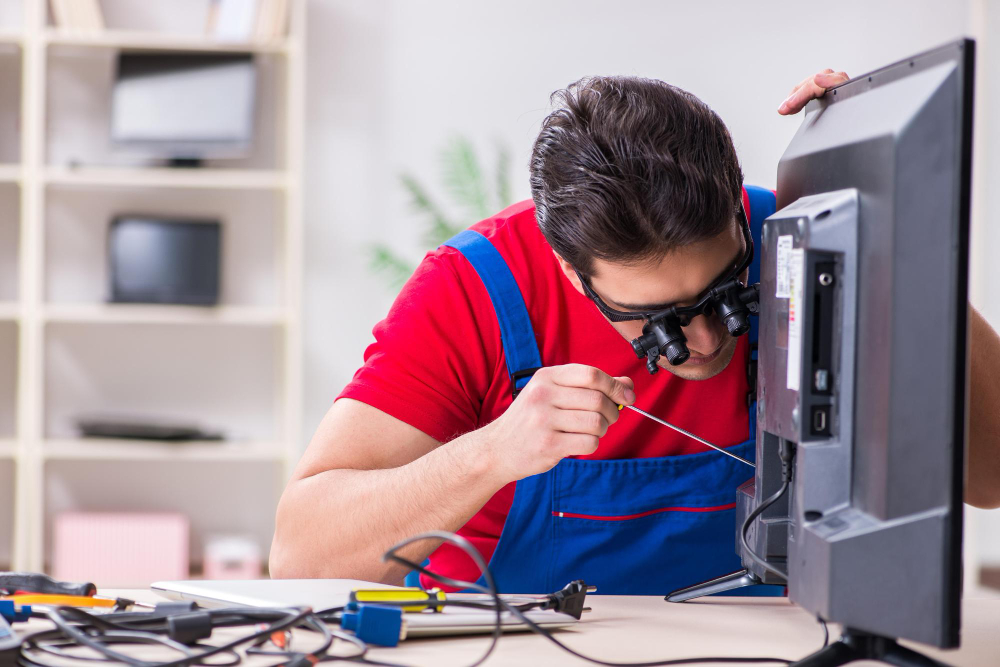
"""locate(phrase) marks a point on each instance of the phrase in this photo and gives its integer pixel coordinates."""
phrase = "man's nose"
(704, 334)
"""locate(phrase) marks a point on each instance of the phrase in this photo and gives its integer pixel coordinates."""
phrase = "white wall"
(390, 81)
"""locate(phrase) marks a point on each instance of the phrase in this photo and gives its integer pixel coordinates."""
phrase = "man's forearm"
(338, 523)
(983, 481)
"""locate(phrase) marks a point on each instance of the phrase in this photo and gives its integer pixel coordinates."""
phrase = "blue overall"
(629, 526)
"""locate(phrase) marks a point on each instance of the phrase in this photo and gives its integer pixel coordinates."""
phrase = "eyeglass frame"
(682, 314)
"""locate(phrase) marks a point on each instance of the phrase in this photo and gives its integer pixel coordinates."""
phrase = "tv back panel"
(863, 351)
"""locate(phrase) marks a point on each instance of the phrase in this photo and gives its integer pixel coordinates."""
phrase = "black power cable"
(501, 604)
(77, 627)
(745, 529)
(786, 452)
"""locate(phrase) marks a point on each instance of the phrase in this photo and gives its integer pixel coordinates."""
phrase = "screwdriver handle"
(421, 599)
(32, 582)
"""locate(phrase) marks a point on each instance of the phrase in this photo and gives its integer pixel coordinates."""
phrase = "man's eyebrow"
(649, 307)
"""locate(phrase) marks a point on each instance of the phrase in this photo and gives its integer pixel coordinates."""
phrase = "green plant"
(468, 188)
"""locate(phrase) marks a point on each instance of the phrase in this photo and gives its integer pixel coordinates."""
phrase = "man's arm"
(982, 487)
(369, 480)
(366, 481)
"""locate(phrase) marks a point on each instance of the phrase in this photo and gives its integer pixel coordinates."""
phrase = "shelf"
(156, 41)
(9, 311)
(10, 173)
(66, 353)
(99, 449)
(164, 177)
(107, 313)
(11, 38)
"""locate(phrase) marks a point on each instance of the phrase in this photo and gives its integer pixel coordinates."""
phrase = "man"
(638, 203)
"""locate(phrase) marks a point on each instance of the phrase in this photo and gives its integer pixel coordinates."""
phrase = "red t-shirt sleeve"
(436, 352)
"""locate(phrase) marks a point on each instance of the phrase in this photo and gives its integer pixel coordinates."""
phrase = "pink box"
(232, 557)
(120, 549)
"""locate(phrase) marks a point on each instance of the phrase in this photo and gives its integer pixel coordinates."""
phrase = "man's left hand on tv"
(810, 88)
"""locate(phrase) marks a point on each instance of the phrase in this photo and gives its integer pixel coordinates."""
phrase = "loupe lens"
(737, 323)
(677, 353)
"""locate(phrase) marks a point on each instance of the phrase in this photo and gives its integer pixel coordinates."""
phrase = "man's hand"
(382, 480)
(810, 88)
(561, 412)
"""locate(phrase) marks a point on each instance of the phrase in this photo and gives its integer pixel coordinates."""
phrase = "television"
(164, 261)
(184, 107)
(857, 498)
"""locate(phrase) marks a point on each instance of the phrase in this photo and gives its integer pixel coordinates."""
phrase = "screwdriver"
(422, 599)
(687, 433)
(65, 600)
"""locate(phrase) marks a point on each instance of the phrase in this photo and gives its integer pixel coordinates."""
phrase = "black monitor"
(863, 360)
(857, 498)
(184, 106)
(155, 260)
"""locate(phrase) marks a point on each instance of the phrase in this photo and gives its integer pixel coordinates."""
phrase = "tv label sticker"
(782, 288)
(795, 284)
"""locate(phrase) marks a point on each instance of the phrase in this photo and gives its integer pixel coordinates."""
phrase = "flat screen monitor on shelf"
(156, 260)
(184, 107)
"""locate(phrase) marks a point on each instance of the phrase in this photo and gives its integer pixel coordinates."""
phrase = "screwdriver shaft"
(690, 435)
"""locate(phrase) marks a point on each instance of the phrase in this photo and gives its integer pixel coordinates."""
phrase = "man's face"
(679, 277)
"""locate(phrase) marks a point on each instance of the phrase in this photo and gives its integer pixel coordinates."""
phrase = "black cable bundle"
(499, 604)
(181, 627)
(178, 632)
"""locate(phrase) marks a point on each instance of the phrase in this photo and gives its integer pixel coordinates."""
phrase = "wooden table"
(627, 628)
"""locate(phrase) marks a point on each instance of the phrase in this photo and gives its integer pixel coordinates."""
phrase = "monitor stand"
(855, 645)
(727, 582)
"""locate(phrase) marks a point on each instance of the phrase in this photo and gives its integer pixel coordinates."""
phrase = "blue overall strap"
(516, 334)
(762, 205)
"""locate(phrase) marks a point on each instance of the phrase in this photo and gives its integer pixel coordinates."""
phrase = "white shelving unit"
(64, 351)
(151, 177)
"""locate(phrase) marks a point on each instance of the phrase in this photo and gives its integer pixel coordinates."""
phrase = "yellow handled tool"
(398, 596)
(65, 600)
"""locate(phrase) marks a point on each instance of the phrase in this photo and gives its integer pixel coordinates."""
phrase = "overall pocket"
(645, 526)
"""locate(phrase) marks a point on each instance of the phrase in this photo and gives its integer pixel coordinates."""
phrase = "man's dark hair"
(626, 169)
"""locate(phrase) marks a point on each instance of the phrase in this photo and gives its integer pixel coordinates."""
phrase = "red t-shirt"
(437, 364)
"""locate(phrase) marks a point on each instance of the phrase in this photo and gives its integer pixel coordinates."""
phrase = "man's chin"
(689, 371)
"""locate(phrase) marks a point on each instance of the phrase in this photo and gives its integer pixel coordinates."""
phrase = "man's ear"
(569, 272)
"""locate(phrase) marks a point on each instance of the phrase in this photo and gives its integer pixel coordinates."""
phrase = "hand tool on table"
(69, 600)
(32, 582)
(422, 599)
(569, 600)
(687, 433)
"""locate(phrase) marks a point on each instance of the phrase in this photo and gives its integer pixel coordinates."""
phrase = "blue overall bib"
(628, 526)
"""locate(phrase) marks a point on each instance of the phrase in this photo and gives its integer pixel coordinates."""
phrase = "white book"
(265, 17)
(61, 13)
(280, 23)
(76, 16)
(236, 20)
(91, 18)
